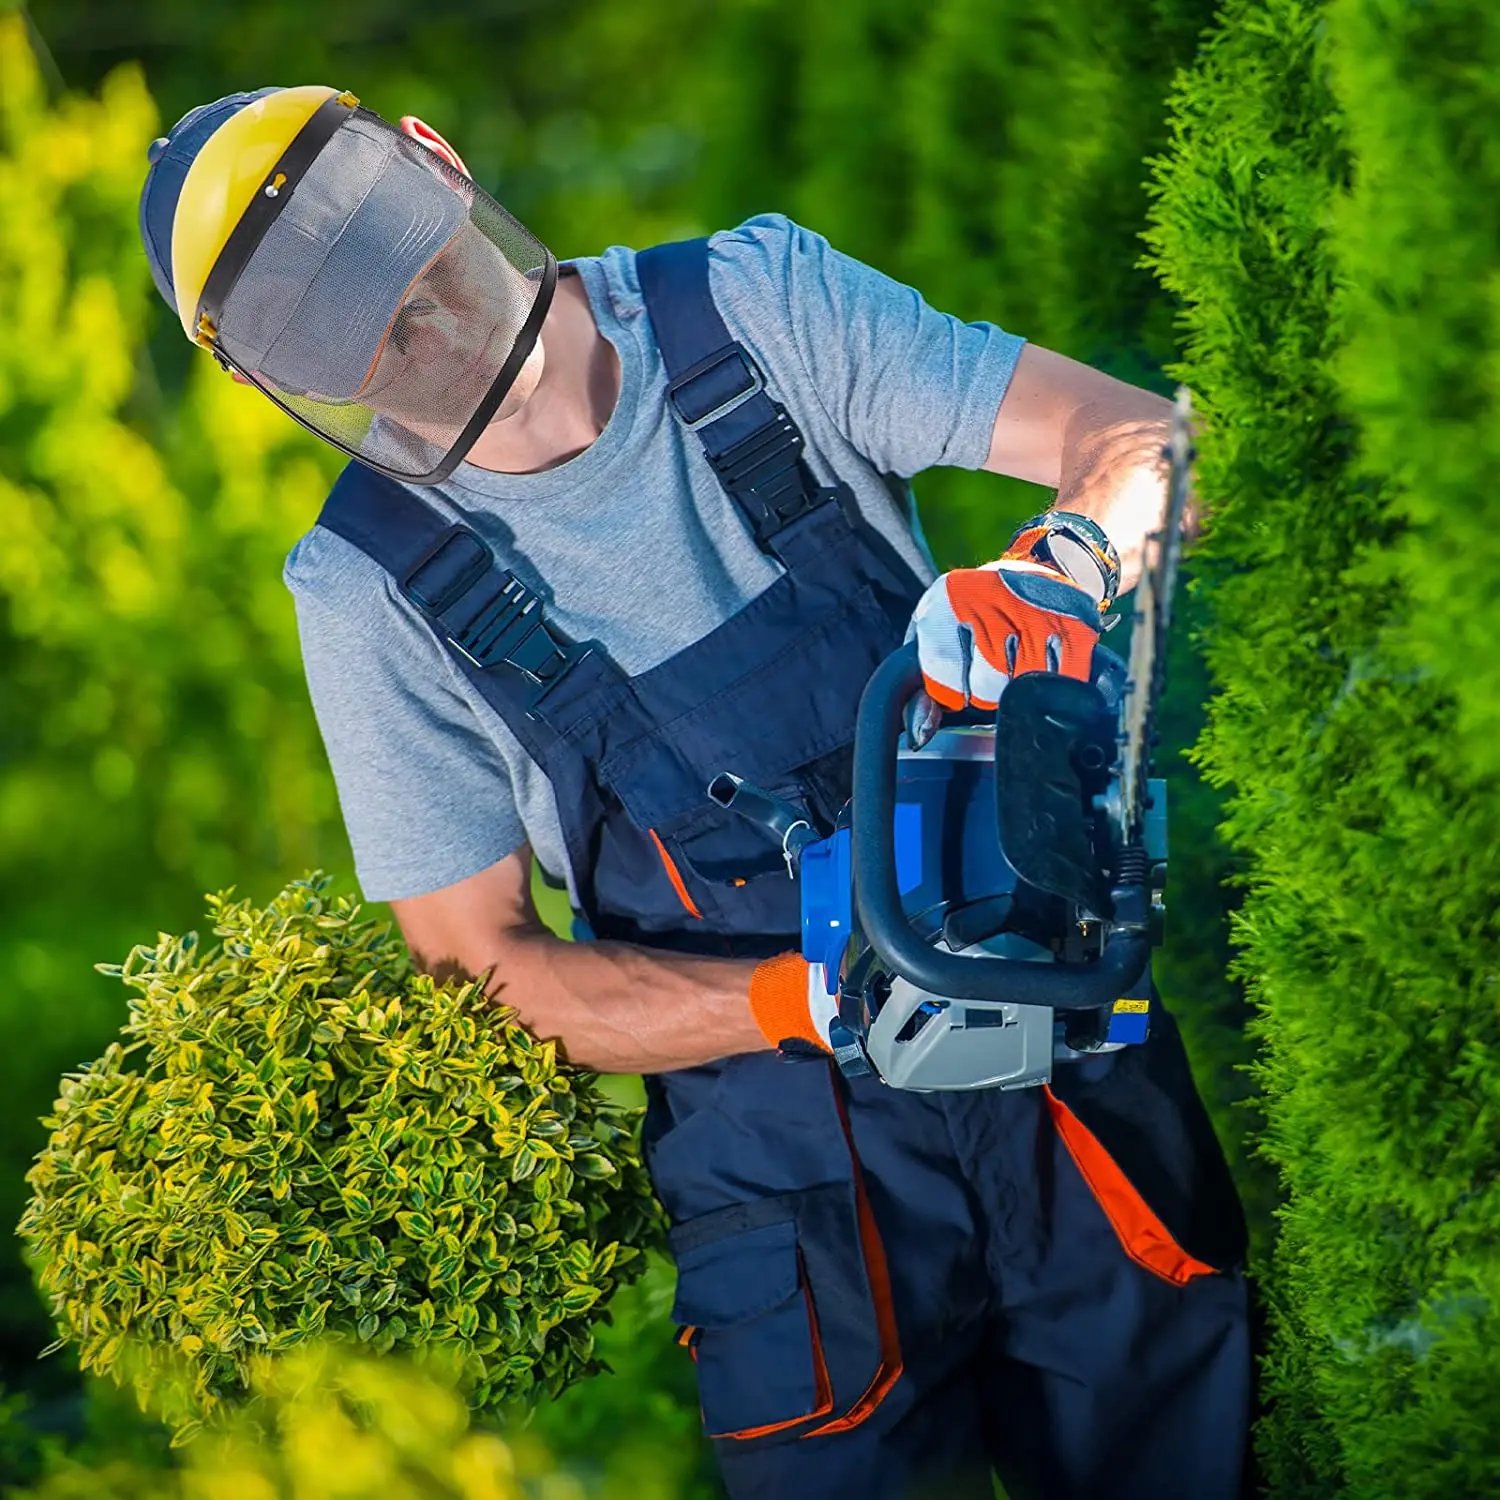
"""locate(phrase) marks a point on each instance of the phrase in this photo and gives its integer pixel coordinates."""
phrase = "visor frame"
(303, 150)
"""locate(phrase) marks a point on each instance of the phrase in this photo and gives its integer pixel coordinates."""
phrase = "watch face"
(1075, 544)
(1082, 564)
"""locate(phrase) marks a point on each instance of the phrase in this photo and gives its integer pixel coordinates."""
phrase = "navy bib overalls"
(885, 1293)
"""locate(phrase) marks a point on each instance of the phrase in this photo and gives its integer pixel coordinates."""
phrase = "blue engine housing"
(948, 857)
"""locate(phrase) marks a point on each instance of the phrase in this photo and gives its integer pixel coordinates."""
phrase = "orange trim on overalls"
(891, 1366)
(675, 876)
(822, 1386)
(1143, 1236)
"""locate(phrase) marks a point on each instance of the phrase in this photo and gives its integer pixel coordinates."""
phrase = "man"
(619, 526)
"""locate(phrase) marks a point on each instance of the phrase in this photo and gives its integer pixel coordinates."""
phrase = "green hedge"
(1336, 268)
(1417, 246)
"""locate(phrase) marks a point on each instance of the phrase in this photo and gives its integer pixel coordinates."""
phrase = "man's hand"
(789, 999)
(1038, 609)
(976, 628)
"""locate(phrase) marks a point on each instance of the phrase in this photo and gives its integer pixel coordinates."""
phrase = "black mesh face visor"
(379, 296)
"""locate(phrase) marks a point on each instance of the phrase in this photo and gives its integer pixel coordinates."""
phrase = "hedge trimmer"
(975, 939)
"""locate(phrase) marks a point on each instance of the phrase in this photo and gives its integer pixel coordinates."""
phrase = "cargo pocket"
(787, 1307)
(751, 1324)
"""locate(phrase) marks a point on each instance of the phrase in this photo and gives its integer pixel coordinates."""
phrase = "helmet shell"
(171, 158)
(231, 167)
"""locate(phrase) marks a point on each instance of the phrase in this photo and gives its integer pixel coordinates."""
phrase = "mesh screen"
(390, 304)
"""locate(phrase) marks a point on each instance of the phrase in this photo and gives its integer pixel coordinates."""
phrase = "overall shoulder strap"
(485, 616)
(716, 391)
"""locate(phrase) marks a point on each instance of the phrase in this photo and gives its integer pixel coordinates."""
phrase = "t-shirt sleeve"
(908, 386)
(426, 796)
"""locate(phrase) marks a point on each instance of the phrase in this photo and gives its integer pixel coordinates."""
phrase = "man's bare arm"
(613, 1007)
(1096, 440)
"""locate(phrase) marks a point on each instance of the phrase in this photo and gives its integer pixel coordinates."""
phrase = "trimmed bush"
(300, 1136)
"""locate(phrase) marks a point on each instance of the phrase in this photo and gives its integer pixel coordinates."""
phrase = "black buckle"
(754, 383)
(764, 470)
(508, 628)
(766, 467)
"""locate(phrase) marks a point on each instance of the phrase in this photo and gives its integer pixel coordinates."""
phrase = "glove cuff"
(779, 1001)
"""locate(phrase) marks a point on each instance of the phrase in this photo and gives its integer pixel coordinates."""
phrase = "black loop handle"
(877, 896)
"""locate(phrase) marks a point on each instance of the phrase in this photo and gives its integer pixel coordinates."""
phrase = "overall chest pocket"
(790, 708)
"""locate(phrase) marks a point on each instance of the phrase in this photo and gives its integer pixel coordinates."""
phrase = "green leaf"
(357, 1203)
(416, 1226)
(579, 1299)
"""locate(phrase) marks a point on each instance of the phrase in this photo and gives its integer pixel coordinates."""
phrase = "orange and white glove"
(789, 999)
(976, 628)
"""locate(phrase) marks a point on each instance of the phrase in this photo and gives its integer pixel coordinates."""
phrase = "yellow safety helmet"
(244, 161)
(355, 276)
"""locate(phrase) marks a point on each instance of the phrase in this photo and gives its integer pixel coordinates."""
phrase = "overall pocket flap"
(738, 1277)
(761, 1372)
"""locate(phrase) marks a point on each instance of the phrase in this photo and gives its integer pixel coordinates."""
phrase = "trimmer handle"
(877, 895)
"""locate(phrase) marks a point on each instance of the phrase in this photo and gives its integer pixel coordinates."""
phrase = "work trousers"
(966, 1307)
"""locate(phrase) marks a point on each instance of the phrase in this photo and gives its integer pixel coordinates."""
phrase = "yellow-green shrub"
(300, 1136)
(326, 1423)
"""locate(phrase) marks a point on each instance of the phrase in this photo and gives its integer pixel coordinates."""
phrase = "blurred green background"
(1324, 243)
(158, 741)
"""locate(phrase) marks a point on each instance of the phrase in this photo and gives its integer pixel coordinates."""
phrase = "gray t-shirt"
(633, 543)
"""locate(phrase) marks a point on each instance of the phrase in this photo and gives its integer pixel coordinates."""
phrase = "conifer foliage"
(1337, 334)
